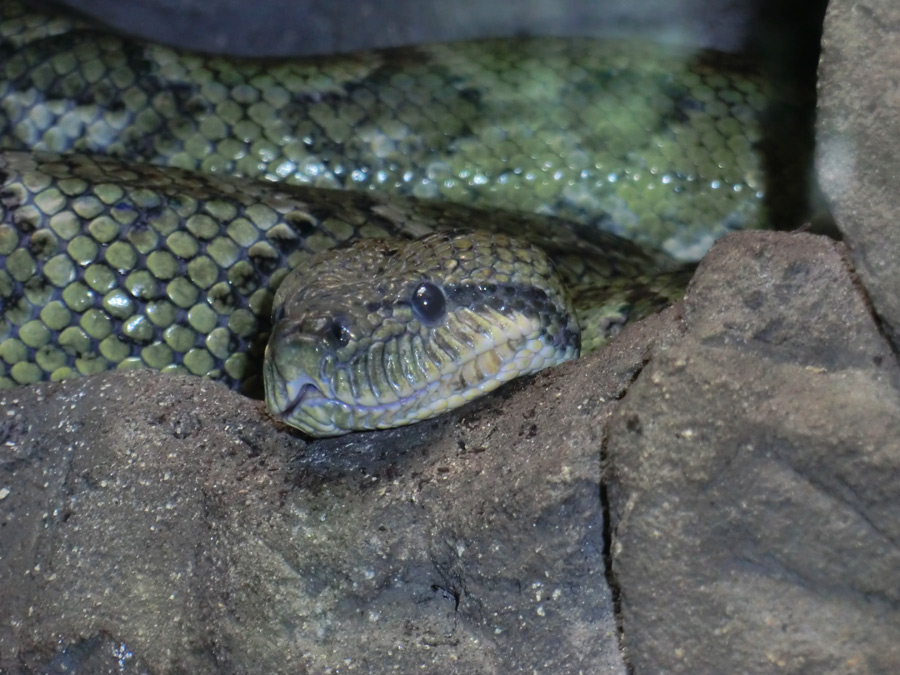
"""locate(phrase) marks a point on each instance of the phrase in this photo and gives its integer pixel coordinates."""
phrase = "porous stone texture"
(753, 474)
(166, 524)
(743, 443)
(857, 158)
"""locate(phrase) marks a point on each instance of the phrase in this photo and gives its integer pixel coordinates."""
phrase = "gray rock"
(171, 521)
(749, 439)
(857, 160)
(753, 474)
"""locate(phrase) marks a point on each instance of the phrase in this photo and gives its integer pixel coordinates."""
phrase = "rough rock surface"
(748, 444)
(753, 474)
(168, 524)
(858, 162)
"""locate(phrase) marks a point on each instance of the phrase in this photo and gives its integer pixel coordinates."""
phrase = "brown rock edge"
(165, 524)
(753, 472)
(856, 136)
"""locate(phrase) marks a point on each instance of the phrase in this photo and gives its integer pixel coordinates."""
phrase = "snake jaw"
(317, 406)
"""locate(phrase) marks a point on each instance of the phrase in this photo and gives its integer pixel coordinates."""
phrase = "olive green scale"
(109, 264)
(656, 143)
(95, 273)
(116, 263)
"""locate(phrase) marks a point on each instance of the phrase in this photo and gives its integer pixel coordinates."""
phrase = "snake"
(366, 240)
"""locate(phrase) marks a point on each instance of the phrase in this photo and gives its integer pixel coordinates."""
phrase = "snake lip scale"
(305, 390)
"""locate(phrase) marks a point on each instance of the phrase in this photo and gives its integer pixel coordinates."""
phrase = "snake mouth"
(286, 399)
(317, 406)
(307, 392)
(302, 402)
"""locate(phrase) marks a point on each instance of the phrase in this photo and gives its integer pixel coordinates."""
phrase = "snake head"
(389, 332)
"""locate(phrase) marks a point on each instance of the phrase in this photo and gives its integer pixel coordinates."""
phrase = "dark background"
(296, 27)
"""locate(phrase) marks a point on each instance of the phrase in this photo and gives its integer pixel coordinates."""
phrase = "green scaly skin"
(390, 332)
(661, 145)
(109, 264)
(113, 263)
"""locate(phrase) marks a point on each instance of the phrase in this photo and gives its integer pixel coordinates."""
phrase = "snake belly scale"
(154, 257)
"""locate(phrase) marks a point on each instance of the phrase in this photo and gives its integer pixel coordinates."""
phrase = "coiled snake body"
(219, 178)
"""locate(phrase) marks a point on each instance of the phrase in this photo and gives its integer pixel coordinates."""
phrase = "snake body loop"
(173, 250)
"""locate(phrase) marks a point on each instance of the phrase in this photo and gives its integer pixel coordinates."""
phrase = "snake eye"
(278, 314)
(428, 302)
(338, 333)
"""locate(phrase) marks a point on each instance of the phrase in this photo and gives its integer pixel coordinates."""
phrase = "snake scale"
(153, 205)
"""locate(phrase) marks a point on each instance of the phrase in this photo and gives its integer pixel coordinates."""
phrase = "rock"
(744, 443)
(857, 136)
(171, 518)
(753, 474)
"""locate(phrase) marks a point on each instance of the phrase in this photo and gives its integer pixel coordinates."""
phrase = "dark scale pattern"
(650, 142)
(501, 310)
(110, 263)
(106, 264)
(83, 295)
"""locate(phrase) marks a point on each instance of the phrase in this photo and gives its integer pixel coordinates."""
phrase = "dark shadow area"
(286, 27)
(785, 39)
